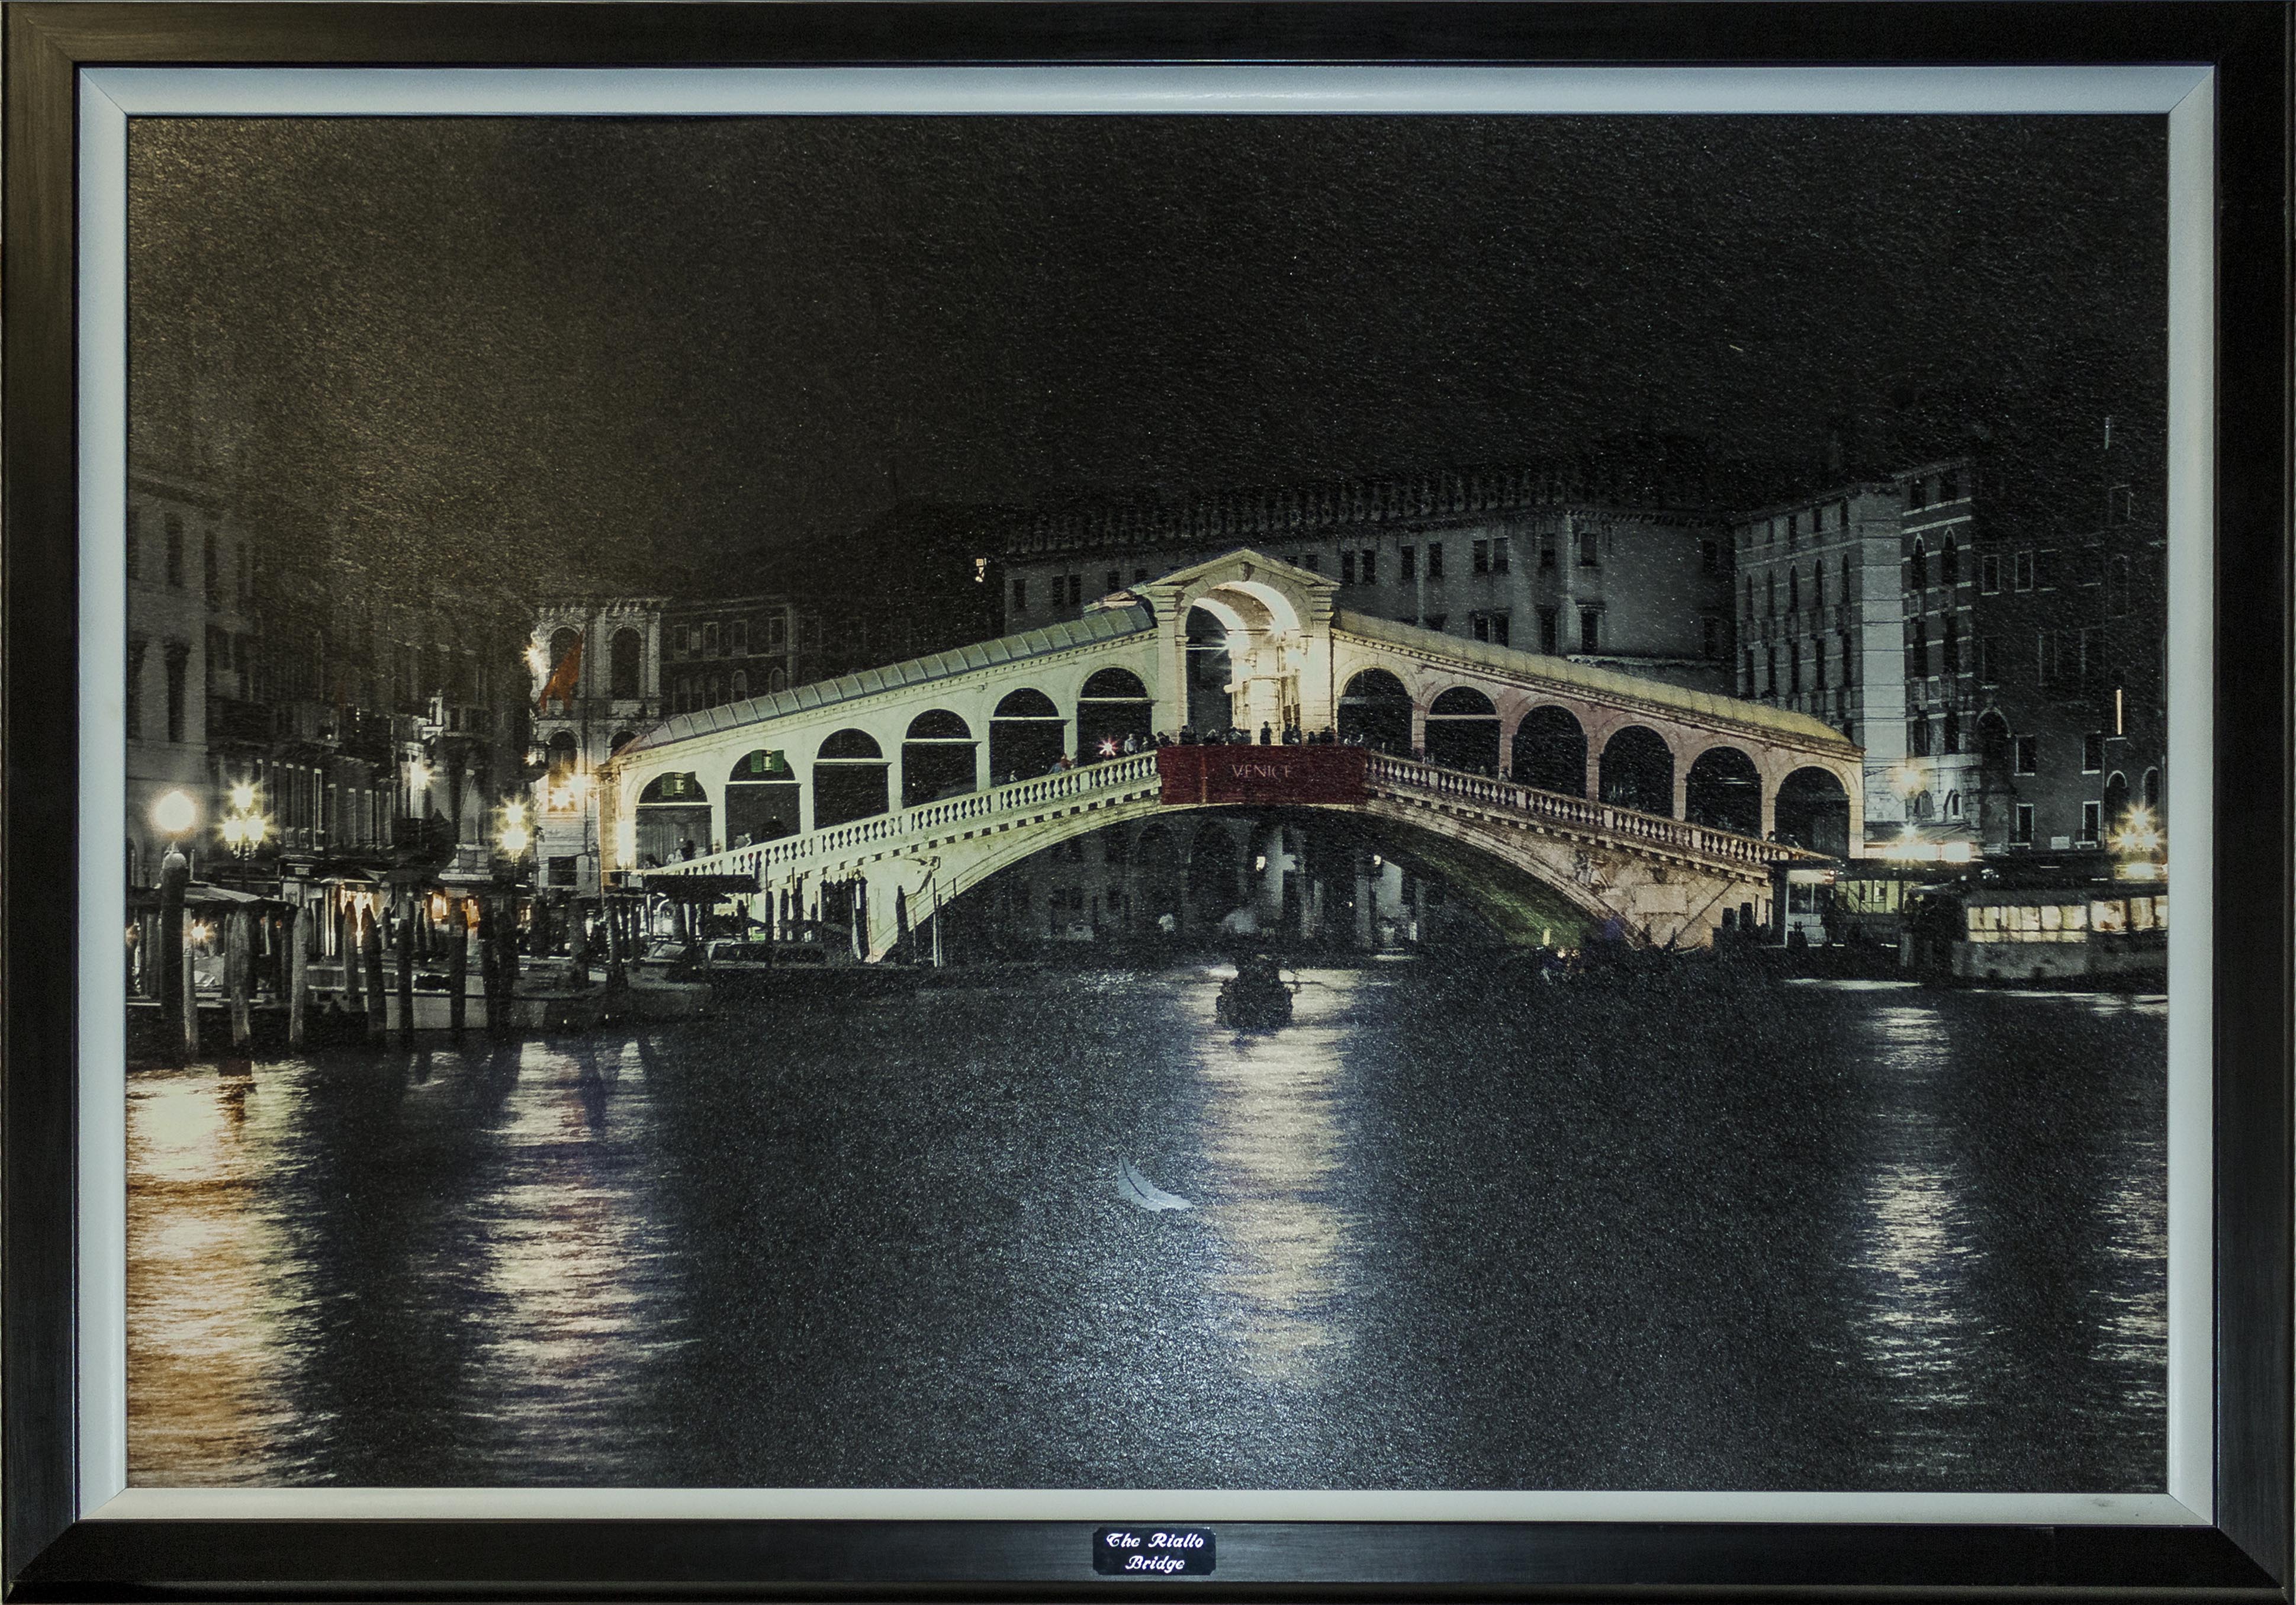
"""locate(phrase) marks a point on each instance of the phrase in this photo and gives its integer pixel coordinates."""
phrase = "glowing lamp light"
(1905, 778)
(242, 797)
(175, 814)
(1108, 747)
(202, 931)
(234, 831)
(515, 813)
(418, 775)
(1957, 852)
(537, 659)
(514, 839)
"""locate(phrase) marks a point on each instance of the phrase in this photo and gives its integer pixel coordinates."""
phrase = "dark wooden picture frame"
(53, 1552)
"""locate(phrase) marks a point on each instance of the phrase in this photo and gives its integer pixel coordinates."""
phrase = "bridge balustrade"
(1016, 797)
(1139, 772)
(1576, 813)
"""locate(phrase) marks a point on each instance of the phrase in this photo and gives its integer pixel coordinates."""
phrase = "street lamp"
(244, 828)
(174, 814)
(2137, 844)
(514, 838)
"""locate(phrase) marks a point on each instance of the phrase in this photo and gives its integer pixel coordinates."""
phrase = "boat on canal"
(666, 984)
(1256, 997)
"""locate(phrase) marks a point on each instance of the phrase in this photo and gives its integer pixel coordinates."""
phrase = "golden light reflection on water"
(1273, 1146)
(209, 1358)
(566, 1231)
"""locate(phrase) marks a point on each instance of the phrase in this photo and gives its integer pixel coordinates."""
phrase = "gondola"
(1256, 998)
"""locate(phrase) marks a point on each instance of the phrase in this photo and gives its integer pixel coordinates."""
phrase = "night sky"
(579, 351)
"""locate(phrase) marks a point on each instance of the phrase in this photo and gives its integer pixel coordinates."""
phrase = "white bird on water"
(1134, 1188)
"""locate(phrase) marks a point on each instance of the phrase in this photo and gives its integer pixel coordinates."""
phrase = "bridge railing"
(765, 858)
(1575, 813)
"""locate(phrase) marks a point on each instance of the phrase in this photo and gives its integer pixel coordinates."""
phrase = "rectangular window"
(1407, 560)
(1434, 560)
(1480, 561)
(741, 638)
(1020, 594)
(1313, 563)
(1919, 730)
(1500, 558)
(710, 640)
(1590, 549)
(135, 689)
(2092, 752)
(777, 626)
(1076, 590)
(1709, 636)
(178, 672)
(1367, 564)
(1481, 624)
(2021, 834)
(2092, 819)
(1347, 567)
(2045, 569)
(2027, 749)
(1546, 553)
(1590, 629)
(1949, 486)
(1985, 671)
(1435, 621)
(2023, 566)
(1550, 630)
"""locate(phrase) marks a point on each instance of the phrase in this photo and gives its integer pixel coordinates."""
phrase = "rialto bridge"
(1543, 792)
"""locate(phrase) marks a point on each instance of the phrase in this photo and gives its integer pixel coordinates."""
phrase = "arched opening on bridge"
(1463, 732)
(1638, 771)
(936, 758)
(622, 738)
(627, 663)
(1026, 734)
(1211, 705)
(1550, 751)
(1212, 866)
(673, 821)
(1724, 791)
(1156, 881)
(1375, 710)
(1113, 707)
(848, 779)
(761, 799)
(1813, 812)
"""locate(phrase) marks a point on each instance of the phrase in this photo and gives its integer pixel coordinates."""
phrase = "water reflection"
(1273, 1140)
(1876, 1238)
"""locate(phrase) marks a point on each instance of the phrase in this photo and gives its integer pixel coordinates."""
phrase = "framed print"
(951, 798)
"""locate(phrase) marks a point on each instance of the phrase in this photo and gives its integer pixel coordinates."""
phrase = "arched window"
(1924, 807)
(1917, 650)
(1953, 805)
(1793, 590)
(1770, 594)
(1918, 571)
(1817, 586)
(741, 685)
(628, 657)
(1950, 562)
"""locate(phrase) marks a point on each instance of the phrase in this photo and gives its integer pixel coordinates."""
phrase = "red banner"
(1262, 774)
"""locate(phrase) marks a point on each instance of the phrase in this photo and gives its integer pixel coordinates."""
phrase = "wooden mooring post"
(299, 975)
(378, 1008)
(410, 911)
(458, 966)
(238, 941)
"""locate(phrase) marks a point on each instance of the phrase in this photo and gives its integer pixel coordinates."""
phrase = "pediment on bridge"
(1280, 587)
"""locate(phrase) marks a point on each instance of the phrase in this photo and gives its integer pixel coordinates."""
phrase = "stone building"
(1999, 658)
(1628, 571)
(371, 715)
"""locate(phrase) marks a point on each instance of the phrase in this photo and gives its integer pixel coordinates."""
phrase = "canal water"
(1440, 1234)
